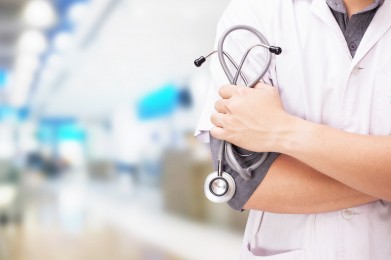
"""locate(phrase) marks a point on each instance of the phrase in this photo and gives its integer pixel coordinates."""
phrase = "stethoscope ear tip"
(198, 62)
(275, 49)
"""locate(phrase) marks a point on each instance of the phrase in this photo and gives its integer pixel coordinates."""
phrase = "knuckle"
(219, 106)
(229, 121)
(230, 107)
(217, 119)
(241, 91)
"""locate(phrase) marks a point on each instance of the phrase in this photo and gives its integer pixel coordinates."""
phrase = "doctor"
(327, 195)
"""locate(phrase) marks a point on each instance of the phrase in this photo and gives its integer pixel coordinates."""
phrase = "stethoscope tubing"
(226, 148)
(220, 53)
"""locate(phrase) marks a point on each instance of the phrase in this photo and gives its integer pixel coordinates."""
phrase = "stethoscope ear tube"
(220, 52)
(245, 173)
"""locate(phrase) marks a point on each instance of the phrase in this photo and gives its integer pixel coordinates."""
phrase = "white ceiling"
(141, 45)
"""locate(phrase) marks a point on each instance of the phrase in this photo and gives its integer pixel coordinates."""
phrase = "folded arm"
(361, 162)
(292, 187)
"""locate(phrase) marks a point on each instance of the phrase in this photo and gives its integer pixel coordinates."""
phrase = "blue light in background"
(10, 113)
(159, 103)
(54, 130)
(55, 121)
(46, 134)
(23, 113)
(71, 132)
(3, 78)
(6, 112)
(64, 5)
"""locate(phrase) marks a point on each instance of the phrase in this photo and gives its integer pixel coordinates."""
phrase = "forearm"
(293, 187)
(359, 161)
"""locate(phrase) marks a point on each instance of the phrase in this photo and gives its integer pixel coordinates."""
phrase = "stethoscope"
(219, 186)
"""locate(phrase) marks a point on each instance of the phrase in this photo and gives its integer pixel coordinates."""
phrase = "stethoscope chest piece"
(219, 189)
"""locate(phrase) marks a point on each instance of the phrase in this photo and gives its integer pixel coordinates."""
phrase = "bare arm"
(361, 162)
(293, 187)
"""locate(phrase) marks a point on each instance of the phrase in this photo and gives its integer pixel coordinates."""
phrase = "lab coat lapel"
(378, 27)
(322, 10)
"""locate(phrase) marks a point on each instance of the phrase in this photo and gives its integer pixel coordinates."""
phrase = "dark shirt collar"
(339, 6)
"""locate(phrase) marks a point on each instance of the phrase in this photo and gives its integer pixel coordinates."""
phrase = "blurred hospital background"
(99, 100)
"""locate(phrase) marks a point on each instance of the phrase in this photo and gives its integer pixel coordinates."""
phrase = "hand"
(251, 118)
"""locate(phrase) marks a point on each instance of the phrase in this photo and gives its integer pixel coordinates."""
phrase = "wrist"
(296, 136)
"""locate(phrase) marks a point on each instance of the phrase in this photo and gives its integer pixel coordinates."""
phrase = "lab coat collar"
(380, 24)
(378, 27)
(339, 6)
(322, 10)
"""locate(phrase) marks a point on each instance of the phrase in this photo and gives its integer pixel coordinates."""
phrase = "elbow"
(386, 197)
(385, 192)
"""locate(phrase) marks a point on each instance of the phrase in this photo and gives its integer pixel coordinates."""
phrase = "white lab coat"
(319, 81)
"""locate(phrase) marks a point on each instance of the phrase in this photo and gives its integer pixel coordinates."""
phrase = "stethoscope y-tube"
(220, 186)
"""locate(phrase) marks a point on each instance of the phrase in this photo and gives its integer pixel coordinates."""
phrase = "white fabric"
(319, 81)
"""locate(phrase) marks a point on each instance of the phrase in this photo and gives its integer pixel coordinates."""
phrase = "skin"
(324, 168)
(354, 6)
(293, 187)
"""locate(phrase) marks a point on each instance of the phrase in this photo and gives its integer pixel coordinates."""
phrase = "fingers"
(227, 91)
(220, 121)
(217, 132)
(221, 106)
(217, 119)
